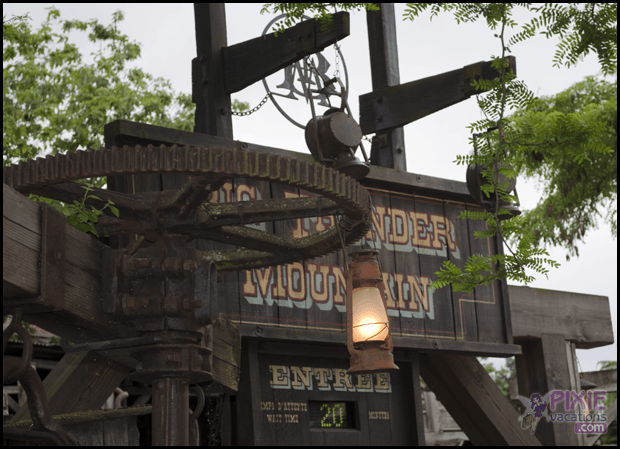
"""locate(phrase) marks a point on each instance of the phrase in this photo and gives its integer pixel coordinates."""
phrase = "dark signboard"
(311, 400)
(415, 235)
(416, 227)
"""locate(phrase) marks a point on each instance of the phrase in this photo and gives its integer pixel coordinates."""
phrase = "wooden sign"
(415, 226)
(414, 234)
(308, 398)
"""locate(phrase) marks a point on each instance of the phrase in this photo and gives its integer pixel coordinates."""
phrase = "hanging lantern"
(368, 328)
(333, 137)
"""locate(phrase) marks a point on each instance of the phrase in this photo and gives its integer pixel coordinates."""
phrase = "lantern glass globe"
(370, 321)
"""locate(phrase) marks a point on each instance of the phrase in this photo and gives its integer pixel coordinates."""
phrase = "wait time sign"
(415, 235)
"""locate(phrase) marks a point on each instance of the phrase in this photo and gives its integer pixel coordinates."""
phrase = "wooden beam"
(257, 58)
(132, 133)
(474, 400)
(388, 147)
(604, 380)
(81, 381)
(423, 344)
(213, 113)
(81, 317)
(582, 319)
(547, 365)
(413, 390)
(399, 105)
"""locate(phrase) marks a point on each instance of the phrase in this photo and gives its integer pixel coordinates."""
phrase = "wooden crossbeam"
(474, 400)
(395, 106)
(257, 58)
(581, 319)
(80, 381)
(81, 317)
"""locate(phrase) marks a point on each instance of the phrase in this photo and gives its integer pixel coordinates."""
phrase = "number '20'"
(337, 408)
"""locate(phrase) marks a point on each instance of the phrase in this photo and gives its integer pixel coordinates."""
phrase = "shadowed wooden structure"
(278, 333)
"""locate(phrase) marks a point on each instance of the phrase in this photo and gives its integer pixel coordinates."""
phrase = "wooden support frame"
(536, 311)
(474, 400)
(251, 61)
(399, 105)
(548, 364)
(388, 146)
(81, 381)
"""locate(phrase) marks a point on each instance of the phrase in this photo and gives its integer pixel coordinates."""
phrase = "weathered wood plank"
(82, 317)
(388, 147)
(489, 308)
(252, 60)
(544, 366)
(474, 400)
(81, 381)
(604, 380)
(463, 304)
(21, 242)
(132, 133)
(582, 319)
(398, 105)
(226, 353)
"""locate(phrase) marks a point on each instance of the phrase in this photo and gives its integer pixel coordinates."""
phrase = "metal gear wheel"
(188, 213)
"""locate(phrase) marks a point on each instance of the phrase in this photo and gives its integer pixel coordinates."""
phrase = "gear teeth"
(32, 174)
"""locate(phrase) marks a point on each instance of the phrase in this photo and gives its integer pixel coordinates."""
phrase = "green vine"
(78, 214)
(581, 28)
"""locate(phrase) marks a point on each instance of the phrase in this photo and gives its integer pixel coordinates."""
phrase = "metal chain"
(337, 72)
(252, 111)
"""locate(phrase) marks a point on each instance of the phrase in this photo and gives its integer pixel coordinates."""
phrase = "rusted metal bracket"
(52, 269)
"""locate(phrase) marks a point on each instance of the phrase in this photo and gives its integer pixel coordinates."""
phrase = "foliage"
(78, 214)
(497, 137)
(54, 99)
(501, 143)
(501, 376)
(295, 12)
(569, 143)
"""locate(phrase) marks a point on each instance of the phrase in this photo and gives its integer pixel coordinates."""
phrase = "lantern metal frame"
(374, 356)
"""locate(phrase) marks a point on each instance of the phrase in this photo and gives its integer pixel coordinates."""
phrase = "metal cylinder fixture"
(368, 330)
(333, 137)
(170, 412)
(475, 181)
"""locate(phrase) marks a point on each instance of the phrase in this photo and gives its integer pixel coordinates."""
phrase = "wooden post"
(413, 390)
(388, 147)
(474, 400)
(544, 366)
(213, 113)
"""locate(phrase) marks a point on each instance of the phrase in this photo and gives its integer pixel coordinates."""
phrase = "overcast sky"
(426, 48)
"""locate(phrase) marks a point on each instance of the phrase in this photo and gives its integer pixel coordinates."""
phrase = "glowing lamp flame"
(370, 321)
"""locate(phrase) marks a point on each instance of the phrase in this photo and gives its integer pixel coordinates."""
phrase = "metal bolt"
(399, 149)
(189, 265)
(223, 111)
(189, 304)
(133, 264)
(173, 357)
(380, 100)
(380, 118)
